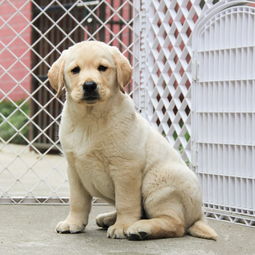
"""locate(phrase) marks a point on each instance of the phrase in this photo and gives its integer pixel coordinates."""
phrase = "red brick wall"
(15, 32)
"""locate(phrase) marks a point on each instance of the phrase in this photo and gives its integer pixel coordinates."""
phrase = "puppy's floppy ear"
(124, 69)
(56, 74)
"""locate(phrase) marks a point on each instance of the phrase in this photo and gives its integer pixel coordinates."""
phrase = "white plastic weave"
(167, 73)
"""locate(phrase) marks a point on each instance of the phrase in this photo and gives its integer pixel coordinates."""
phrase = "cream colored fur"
(113, 153)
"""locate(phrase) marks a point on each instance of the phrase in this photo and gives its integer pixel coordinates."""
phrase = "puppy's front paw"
(66, 226)
(117, 231)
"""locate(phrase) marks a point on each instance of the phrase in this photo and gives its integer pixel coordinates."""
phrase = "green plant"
(12, 118)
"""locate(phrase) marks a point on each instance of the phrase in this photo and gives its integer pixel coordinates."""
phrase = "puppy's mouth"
(91, 99)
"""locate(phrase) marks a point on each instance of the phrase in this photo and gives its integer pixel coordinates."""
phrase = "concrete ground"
(29, 229)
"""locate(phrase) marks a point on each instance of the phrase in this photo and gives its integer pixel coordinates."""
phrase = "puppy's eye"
(102, 68)
(76, 70)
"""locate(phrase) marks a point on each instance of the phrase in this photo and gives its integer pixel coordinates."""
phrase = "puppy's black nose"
(89, 86)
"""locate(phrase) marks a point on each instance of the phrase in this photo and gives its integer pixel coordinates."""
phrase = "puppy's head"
(90, 71)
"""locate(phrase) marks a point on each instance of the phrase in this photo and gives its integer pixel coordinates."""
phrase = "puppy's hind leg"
(165, 217)
(105, 220)
(160, 227)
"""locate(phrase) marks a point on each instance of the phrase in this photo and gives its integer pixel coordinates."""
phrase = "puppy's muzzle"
(90, 91)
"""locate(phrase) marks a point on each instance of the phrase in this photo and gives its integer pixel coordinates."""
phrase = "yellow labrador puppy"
(113, 153)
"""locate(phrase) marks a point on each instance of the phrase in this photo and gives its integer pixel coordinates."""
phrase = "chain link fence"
(33, 34)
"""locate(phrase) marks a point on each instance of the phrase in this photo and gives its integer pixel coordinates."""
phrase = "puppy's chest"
(90, 154)
(94, 170)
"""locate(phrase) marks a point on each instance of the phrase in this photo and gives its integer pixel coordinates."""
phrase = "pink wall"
(15, 39)
(15, 32)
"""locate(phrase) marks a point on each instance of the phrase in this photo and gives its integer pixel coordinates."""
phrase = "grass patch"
(10, 118)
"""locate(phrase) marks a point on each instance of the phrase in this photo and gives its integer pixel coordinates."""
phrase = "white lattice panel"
(169, 25)
(223, 115)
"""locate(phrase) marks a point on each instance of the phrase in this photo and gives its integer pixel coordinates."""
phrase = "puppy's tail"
(201, 229)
